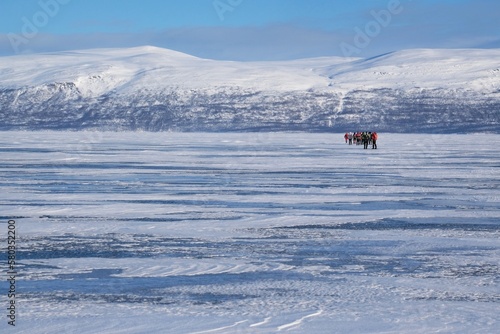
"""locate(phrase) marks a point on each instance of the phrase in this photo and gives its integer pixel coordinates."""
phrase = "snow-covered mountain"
(157, 89)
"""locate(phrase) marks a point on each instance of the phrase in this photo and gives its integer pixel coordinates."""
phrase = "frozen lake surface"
(252, 233)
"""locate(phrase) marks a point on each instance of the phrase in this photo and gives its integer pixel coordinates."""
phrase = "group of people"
(365, 138)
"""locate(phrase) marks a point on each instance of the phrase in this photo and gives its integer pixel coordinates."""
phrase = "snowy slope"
(477, 70)
(157, 89)
(105, 70)
(98, 72)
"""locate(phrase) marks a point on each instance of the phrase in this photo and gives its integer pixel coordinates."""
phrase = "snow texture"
(252, 233)
(149, 88)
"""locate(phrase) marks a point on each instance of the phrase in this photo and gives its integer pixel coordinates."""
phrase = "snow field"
(253, 233)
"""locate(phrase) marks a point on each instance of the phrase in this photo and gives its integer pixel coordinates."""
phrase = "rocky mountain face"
(160, 90)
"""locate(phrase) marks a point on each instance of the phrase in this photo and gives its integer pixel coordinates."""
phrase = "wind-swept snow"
(252, 233)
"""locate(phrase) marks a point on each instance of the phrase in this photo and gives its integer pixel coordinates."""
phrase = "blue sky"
(249, 29)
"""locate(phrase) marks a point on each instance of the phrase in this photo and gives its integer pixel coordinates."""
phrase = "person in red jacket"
(374, 140)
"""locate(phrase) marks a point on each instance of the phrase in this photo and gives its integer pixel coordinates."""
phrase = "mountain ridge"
(149, 88)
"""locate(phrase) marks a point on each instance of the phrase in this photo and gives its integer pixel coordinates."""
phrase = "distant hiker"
(350, 135)
(374, 140)
(366, 139)
(346, 137)
(358, 138)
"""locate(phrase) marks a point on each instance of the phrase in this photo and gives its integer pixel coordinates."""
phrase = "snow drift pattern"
(252, 233)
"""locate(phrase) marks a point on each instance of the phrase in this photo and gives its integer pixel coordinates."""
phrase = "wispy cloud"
(99, 24)
(420, 24)
(237, 43)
